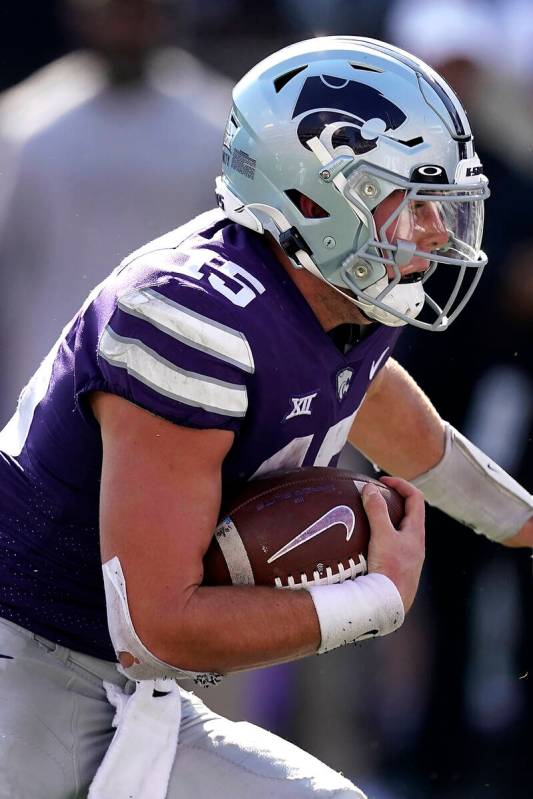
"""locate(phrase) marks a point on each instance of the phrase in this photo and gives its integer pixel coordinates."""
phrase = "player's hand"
(398, 554)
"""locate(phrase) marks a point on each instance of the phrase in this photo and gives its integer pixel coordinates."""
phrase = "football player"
(255, 338)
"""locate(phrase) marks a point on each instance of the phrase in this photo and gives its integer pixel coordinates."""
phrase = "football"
(298, 527)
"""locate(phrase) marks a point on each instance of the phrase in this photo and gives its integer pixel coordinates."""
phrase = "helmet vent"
(282, 80)
(296, 198)
(365, 67)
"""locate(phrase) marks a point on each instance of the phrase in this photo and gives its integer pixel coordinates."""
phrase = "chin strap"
(285, 234)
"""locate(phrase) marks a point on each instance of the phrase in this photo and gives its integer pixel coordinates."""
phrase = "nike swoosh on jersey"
(375, 364)
(341, 514)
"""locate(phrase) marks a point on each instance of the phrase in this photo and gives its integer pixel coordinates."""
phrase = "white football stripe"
(167, 379)
(235, 555)
(189, 327)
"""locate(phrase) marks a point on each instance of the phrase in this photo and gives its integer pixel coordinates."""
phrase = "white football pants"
(55, 727)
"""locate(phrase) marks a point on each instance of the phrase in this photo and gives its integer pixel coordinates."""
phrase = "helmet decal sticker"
(243, 163)
(429, 173)
(321, 94)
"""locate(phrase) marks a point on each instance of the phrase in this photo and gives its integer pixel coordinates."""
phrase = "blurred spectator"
(26, 47)
(233, 35)
(314, 17)
(100, 151)
(490, 41)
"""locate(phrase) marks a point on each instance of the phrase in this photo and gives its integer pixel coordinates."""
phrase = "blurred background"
(111, 119)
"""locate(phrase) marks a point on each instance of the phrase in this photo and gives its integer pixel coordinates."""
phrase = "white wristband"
(356, 609)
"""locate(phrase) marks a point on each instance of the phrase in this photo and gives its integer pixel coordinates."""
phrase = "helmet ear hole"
(306, 206)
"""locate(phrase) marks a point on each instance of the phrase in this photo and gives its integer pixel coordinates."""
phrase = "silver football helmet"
(358, 125)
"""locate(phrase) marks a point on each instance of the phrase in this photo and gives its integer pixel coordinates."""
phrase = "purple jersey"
(205, 328)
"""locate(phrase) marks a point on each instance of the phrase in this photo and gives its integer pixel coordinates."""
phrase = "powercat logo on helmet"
(354, 103)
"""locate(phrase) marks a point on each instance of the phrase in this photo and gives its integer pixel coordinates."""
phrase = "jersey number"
(293, 454)
(229, 279)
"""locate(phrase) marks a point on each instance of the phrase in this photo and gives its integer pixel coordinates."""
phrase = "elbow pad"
(124, 638)
(468, 486)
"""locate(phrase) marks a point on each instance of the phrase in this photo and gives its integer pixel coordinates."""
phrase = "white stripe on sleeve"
(189, 327)
(167, 379)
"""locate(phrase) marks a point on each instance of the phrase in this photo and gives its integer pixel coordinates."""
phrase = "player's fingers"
(375, 507)
(414, 518)
(415, 509)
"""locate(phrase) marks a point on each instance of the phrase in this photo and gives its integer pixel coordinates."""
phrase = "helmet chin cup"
(369, 282)
(406, 299)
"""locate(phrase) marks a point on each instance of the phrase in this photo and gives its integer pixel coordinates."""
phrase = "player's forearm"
(397, 427)
(224, 629)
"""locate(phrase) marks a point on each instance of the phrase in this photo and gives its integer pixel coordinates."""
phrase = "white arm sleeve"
(468, 486)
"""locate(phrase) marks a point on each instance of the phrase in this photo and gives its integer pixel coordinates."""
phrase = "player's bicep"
(373, 397)
(397, 426)
(159, 503)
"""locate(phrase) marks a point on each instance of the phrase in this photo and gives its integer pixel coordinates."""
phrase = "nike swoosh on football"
(375, 364)
(341, 514)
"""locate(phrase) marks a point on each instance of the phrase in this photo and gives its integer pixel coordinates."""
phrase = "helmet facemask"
(388, 272)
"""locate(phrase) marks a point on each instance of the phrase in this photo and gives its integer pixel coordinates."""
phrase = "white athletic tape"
(235, 555)
(146, 666)
(367, 607)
